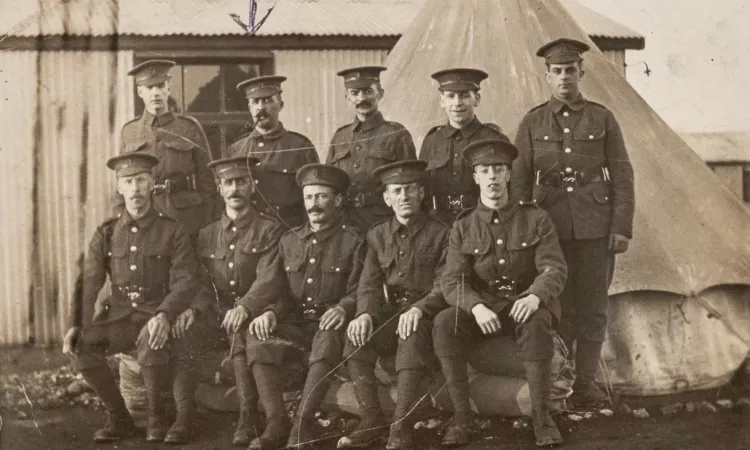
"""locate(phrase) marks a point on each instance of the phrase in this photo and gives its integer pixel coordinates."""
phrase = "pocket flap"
(340, 152)
(385, 261)
(155, 250)
(589, 134)
(181, 145)
(134, 146)
(548, 135)
(438, 158)
(294, 264)
(475, 247)
(257, 247)
(338, 264)
(601, 197)
(427, 259)
(522, 242)
(212, 253)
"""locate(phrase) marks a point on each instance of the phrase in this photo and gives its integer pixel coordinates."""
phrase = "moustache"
(261, 115)
(235, 195)
(315, 209)
(364, 103)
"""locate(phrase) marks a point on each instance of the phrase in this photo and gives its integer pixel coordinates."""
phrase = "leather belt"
(313, 312)
(363, 199)
(454, 203)
(174, 184)
(401, 298)
(576, 178)
(137, 294)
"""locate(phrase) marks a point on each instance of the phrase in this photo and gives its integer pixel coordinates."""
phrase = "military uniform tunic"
(281, 152)
(408, 259)
(320, 270)
(359, 148)
(450, 176)
(182, 148)
(494, 258)
(574, 164)
(152, 267)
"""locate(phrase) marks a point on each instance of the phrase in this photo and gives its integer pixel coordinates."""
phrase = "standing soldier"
(366, 144)
(451, 188)
(504, 273)
(318, 265)
(405, 256)
(280, 152)
(150, 261)
(184, 188)
(573, 163)
(237, 252)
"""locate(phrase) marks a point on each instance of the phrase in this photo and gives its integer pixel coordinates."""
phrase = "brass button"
(499, 242)
(134, 229)
(133, 267)
(567, 150)
(502, 261)
(232, 282)
(231, 247)
(133, 248)
(134, 304)
(570, 189)
(523, 244)
(231, 264)
(310, 281)
(309, 299)
(566, 114)
(314, 241)
(495, 221)
(568, 169)
(261, 144)
(546, 138)
(312, 260)
(566, 130)
(234, 228)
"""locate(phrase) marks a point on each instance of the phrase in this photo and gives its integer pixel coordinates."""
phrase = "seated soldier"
(150, 261)
(405, 255)
(238, 284)
(504, 273)
(319, 264)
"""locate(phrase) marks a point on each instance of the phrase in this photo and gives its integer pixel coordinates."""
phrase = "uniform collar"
(307, 233)
(157, 121)
(466, 131)
(416, 224)
(273, 134)
(126, 220)
(240, 222)
(488, 214)
(576, 105)
(370, 123)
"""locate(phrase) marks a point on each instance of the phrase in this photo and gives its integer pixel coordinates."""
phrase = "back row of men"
(294, 258)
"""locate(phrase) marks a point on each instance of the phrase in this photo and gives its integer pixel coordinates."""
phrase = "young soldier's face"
(236, 192)
(366, 100)
(459, 106)
(136, 189)
(321, 203)
(492, 179)
(266, 110)
(155, 97)
(563, 79)
(404, 199)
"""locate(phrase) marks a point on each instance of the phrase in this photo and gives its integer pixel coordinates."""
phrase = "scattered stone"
(575, 417)
(705, 406)
(588, 415)
(606, 412)
(77, 387)
(641, 413)
(521, 424)
(21, 415)
(690, 407)
(483, 424)
(725, 403)
(670, 410)
(625, 409)
(743, 402)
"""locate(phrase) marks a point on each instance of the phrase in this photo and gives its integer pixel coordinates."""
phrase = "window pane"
(201, 87)
(213, 133)
(233, 74)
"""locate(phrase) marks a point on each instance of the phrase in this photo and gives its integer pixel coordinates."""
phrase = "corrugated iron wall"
(82, 99)
(314, 102)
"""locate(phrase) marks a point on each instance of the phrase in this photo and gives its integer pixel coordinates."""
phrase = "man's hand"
(523, 308)
(263, 325)
(408, 322)
(158, 331)
(182, 323)
(360, 330)
(486, 319)
(333, 319)
(70, 341)
(234, 318)
(618, 243)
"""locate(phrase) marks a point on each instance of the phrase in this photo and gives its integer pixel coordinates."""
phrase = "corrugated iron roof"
(721, 147)
(365, 18)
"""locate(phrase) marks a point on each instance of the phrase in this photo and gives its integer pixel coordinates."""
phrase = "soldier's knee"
(541, 320)
(446, 319)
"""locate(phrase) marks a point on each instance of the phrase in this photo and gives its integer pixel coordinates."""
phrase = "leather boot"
(586, 393)
(315, 390)
(183, 390)
(371, 428)
(545, 428)
(277, 422)
(119, 422)
(400, 436)
(456, 373)
(248, 396)
(156, 381)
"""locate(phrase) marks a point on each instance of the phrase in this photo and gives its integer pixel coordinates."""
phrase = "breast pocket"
(294, 267)
(178, 158)
(341, 153)
(589, 141)
(547, 147)
(250, 255)
(438, 157)
(522, 249)
(118, 264)
(480, 257)
(426, 263)
(214, 262)
(378, 155)
(158, 261)
(335, 274)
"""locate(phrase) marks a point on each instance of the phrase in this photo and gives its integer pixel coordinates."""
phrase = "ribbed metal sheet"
(314, 102)
(17, 93)
(46, 230)
(211, 18)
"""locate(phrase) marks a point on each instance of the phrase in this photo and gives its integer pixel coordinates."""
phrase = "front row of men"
(321, 286)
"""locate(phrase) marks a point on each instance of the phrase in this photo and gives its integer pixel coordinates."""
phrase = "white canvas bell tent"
(680, 305)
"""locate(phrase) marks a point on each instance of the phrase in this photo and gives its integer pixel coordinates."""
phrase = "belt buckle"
(134, 294)
(310, 314)
(504, 288)
(571, 178)
(163, 188)
(456, 203)
(358, 200)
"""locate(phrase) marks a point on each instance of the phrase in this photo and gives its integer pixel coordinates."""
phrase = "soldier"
(451, 188)
(280, 151)
(321, 260)
(503, 275)
(237, 252)
(366, 144)
(184, 188)
(405, 255)
(152, 268)
(573, 163)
